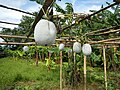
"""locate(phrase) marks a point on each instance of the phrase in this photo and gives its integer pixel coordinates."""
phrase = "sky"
(80, 6)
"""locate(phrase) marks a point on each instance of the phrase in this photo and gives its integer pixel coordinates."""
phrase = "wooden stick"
(60, 70)
(96, 42)
(49, 59)
(107, 40)
(16, 43)
(15, 36)
(85, 72)
(110, 31)
(36, 55)
(74, 58)
(105, 73)
(74, 80)
(102, 30)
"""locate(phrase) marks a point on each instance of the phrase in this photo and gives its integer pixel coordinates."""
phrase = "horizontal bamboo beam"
(111, 39)
(15, 36)
(95, 42)
(16, 43)
(110, 31)
(102, 30)
(107, 41)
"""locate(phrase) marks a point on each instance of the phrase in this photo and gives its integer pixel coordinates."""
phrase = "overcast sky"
(80, 6)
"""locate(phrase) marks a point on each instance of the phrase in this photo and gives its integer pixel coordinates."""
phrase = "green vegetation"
(20, 74)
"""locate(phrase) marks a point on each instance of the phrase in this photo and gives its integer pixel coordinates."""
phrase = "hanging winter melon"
(77, 47)
(25, 48)
(86, 49)
(61, 46)
(45, 32)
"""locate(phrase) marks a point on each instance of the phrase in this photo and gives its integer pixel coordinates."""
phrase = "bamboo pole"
(105, 73)
(60, 70)
(102, 30)
(74, 72)
(49, 60)
(33, 43)
(16, 43)
(15, 36)
(74, 58)
(96, 42)
(36, 55)
(110, 31)
(85, 72)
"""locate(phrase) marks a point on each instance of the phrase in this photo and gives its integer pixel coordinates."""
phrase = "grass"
(25, 75)
(17, 74)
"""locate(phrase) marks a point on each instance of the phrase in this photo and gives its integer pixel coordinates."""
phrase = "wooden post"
(105, 73)
(85, 72)
(60, 70)
(49, 60)
(36, 55)
(74, 59)
(68, 58)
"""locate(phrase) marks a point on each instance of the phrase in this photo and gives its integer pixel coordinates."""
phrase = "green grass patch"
(19, 74)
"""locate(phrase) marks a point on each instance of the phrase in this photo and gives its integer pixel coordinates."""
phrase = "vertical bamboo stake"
(68, 58)
(49, 61)
(85, 72)
(36, 55)
(74, 59)
(60, 70)
(105, 67)
(75, 80)
(74, 72)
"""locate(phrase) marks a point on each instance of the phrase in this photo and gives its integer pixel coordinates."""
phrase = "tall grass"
(16, 74)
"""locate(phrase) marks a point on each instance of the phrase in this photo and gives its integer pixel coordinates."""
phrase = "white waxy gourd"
(45, 32)
(61, 46)
(25, 48)
(86, 49)
(77, 47)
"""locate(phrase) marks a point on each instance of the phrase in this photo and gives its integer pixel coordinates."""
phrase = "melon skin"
(25, 48)
(61, 46)
(45, 33)
(77, 47)
(86, 49)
